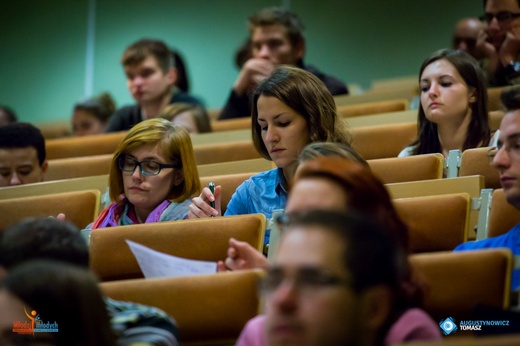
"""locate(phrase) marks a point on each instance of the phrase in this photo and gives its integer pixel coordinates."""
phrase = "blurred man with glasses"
(506, 158)
(502, 41)
(334, 281)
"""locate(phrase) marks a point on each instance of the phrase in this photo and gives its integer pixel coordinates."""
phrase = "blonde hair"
(176, 144)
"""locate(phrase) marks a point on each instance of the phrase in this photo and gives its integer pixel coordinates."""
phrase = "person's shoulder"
(253, 333)
(333, 84)
(505, 240)
(413, 324)
(408, 151)
(141, 323)
(184, 97)
(124, 118)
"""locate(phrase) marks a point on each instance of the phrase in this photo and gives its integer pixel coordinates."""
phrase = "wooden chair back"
(201, 239)
(234, 167)
(224, 152)
(471, 185)
(372, 96)
(411, 168)
(457, 281)
(79, 207)
(383, 141)
(408, 116)
(83, 146)
(208, 309)
(377, 107)
(76, 167)
(231, 124)
(476, 162)
(495, 117)
(435, 223)
(502, 215)
(494, 103)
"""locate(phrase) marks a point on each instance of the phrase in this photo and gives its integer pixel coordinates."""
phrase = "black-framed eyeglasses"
(511, 146)
(502, 16)
(306, 280)
(146, 167)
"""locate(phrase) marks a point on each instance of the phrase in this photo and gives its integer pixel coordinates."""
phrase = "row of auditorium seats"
(441, 214)
(212, 309)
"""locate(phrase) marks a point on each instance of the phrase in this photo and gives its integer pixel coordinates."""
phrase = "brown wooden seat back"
(80, 207)
(83, 146)
(382, 141)
(476, 162)
(457, 281)
(209, 309)
(411, 168)
(377, 107)
(436, 223)
(201, 239)
(223, 152)
(76, 167)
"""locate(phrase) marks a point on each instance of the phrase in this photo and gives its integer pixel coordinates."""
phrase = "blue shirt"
(509, 240)
(262, 193)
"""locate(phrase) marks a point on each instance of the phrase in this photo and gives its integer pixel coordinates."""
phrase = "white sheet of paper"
(155, 264)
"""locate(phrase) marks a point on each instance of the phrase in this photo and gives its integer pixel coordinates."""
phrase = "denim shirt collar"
(281, 184)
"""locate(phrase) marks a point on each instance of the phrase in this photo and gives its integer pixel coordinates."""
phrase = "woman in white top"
(453, 113)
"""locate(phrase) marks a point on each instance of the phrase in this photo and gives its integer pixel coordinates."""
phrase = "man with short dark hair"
(506, 158)
(335, 281)
(22, 155)
(276, 38)
(52, 239)
(150, 75)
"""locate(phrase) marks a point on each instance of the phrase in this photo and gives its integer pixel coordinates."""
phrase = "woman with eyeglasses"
(153, 176)
(453, 112)
(290, 109)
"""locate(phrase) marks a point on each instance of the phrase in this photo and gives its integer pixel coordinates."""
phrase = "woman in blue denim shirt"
(290, 109)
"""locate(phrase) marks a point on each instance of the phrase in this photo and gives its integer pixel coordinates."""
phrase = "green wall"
(43, 43)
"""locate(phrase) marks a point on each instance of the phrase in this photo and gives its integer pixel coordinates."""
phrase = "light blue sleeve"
(238, 202)
(405, 152)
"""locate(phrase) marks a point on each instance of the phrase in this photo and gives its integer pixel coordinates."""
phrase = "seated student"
(153, 176)
(90, 117)
(7, 115)
(276, 36)
(193, 118)
(453, 113)
(53, 295)
(501, 40)
(290, 109)
(182, 82)
(151, 76)
(334, 183)
(22, 155)
(336, 280)
(506, 158)
(51, 239)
